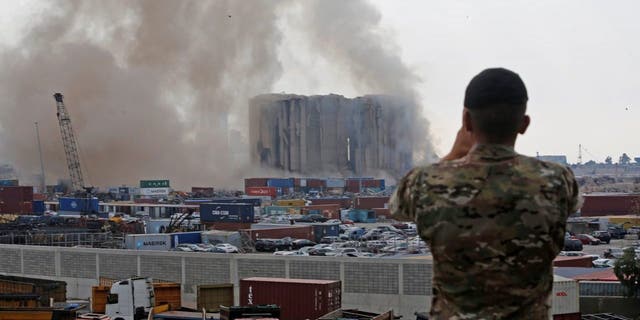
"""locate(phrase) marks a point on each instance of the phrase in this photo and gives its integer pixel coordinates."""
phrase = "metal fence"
(91, 240)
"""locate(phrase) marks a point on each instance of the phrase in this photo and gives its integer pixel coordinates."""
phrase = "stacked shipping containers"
(226, 212)
(78, 205)
(16, 200)
(298, 298)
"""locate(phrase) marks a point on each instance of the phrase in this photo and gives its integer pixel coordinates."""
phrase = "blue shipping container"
(78, 205)
(38, 206)
(226, 212)
(185, 237)
(9, 183)
(280, 183)
(336, 183)
(325, 230)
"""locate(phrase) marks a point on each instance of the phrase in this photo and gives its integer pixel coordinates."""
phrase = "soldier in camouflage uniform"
(494, 219)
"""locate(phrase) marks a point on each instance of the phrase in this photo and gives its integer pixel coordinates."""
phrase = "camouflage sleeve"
(572, 198)
(575, 199)
(402, 204)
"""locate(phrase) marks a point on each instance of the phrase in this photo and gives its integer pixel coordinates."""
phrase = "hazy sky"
(579, 60)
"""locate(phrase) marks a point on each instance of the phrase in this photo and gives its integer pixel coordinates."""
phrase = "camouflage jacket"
(494, 221)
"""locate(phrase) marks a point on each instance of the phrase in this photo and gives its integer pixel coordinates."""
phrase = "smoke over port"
(162, 88)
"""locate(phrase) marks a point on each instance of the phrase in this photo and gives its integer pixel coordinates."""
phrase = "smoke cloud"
(160, 88)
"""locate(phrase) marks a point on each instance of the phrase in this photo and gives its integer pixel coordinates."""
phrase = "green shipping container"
(154, 184)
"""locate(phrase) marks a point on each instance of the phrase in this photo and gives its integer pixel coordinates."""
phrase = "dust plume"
(152, 86)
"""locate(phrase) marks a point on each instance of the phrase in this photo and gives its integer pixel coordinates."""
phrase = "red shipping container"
(261, 191)
(12, 199)
(344, 203)
(39, 197)
(26, 207)
(609, 204)
(577, 262)
(298, 298)
(296, 232)
(145, 201)
(371, 202)
(255, 182)
(316, 183)
(227, 226)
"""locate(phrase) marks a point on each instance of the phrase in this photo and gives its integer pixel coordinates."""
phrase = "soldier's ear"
(526, 120)
(467, 124)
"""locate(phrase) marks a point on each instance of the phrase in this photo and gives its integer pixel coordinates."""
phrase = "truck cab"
(130, 299)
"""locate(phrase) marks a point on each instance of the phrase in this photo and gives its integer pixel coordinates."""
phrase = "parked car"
(603, 236)
(613, 253)
(311, 218)
(587, 239)
(616, 232)
(571, 244)
(321, 252)
(301, 243)
(227, 248)
(329, 239)
(604, 263)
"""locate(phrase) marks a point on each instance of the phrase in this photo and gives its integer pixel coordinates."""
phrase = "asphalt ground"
(599, 249)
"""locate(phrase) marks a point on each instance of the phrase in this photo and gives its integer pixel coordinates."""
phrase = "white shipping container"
(158, 241)
(565, 296)
(154, 191)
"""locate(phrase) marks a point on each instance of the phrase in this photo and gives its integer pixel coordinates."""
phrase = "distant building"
(332, 134)
(557, 159)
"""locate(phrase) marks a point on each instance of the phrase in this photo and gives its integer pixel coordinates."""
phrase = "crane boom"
(70, 145)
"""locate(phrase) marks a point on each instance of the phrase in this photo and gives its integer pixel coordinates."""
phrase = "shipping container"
(168, 293)
(321, 230)
(576, 262)
(226, 212)
(9, 183)
(335, 183)
(266, 312)
(329, 211)
(255, 182)
(566, 297)
(89, 205)
(44, 288)
(280, 182)
(39, 197)
(344, 203)
(13, 199)
(155, 192)
(227, 226)
(609, 204)
(211, 297)
(19, 300)
(602, 289)
(145, 201)
(261, 191)
(185, 237)
(99, 298)
(298, 298)
(293, 231)
(362, 215)
(371, 202)
(160, 241)
(291, 203)
(256, 202)
(155, 184)
(277, 210)
(317, 184)
(203, 191)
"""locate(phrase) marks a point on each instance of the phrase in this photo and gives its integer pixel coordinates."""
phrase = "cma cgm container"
(78, 204)
(298, 298)
(226, 212)
(565, 303)
(160, 241)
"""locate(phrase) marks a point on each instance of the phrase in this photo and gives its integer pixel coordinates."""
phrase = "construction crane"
(70, 146)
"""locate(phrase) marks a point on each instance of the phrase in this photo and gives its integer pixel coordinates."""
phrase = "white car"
(333, 221)
(227, 248)
(604, 263)
(290, 253)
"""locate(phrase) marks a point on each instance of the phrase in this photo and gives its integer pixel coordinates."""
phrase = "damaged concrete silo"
(316, 135)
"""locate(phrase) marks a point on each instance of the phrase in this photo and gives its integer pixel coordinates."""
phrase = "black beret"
(495, 86)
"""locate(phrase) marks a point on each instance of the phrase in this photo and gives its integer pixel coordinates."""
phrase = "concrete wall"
(403, 285)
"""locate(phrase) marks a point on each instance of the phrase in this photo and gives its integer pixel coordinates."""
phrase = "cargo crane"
(71, 152)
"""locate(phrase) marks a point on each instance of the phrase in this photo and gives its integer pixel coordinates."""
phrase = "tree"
(590, 163)
(627, 270)
(624, 159)
(608, 160)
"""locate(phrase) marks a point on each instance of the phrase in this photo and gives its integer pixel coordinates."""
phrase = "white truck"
(130, 299)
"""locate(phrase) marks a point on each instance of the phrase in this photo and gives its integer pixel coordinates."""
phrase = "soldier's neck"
(508, 142)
